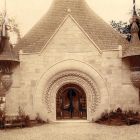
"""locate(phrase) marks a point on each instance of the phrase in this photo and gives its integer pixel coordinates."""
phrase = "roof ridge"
(96, 28)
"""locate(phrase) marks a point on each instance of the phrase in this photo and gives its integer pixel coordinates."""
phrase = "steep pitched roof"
(100, 32)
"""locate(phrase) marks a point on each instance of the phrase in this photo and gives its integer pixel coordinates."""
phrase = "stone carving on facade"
(135, 77)
(5, 82)
(76, 77)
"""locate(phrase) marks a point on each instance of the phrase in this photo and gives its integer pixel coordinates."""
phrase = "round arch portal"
(71, 102)
(75, 77)
(80, 74)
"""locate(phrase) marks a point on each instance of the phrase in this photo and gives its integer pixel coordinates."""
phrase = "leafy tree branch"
(13, 26)
(124, 27)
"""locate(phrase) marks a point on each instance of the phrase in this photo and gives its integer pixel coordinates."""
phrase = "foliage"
(38, 119)
(119, 117)
(1, 113)
(138, 12)
(124, 27)
(13, 26)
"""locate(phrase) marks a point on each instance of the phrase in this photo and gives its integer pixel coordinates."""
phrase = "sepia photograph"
(69, 70)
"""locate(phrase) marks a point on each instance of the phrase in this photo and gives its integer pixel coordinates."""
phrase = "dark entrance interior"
(71, 102)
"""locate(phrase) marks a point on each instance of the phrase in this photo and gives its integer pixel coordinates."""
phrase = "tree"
(138, 12)
(124, 27)
(12, 26)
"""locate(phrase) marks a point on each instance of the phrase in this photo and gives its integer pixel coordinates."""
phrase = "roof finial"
(134, 24)
(134, 7)
(5, 8)
(4, 23)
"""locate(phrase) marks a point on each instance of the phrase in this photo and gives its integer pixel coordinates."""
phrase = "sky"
(28, 12)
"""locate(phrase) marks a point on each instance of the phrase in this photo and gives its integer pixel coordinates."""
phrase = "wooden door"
(71, 103)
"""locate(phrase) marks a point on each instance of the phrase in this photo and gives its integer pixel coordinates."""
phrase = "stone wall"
(71, 49)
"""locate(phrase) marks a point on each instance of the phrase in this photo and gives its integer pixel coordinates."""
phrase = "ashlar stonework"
(66, 47)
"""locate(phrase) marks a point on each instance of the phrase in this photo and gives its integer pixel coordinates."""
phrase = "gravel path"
(73, 131)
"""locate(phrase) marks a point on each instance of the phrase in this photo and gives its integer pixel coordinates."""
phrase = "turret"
(8, 59)
(132, 53)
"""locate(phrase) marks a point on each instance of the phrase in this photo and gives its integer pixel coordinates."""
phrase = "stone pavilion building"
(71, 65)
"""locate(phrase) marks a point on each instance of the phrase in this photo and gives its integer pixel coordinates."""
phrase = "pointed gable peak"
(98, 30)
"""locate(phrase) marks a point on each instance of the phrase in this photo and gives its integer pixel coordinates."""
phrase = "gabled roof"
(99, 31)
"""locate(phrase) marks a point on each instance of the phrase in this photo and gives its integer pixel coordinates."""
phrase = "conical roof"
(99, 31)
(134, 46)
(7, 53)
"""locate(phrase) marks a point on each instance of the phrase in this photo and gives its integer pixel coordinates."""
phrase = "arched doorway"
(71, 102)
(79, 73)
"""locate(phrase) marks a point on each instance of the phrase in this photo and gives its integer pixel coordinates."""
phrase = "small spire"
(134, 7)
(4, 27)
(4, 31)
(134, 25)
(5, 22)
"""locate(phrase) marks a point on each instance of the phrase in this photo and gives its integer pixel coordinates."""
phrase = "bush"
(118, 117)
(27, 121)
(39, 120)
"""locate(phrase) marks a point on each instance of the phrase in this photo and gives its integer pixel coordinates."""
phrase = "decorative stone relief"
(5, 83)
(6, 80)
(76, 77)
(135, 77)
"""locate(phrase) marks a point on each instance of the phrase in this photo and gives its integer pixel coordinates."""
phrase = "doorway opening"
(71, 102)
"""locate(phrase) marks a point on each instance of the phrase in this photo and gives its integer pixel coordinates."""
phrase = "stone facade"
(70, 56)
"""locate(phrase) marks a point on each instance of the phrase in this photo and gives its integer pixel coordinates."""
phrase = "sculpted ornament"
(135, 77)
(76, 77)
(5, 82)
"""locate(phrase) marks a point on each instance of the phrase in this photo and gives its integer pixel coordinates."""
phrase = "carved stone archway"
(75, 77)
(75, 72)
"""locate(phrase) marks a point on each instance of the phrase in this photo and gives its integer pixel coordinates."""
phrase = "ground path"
(73, 131)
